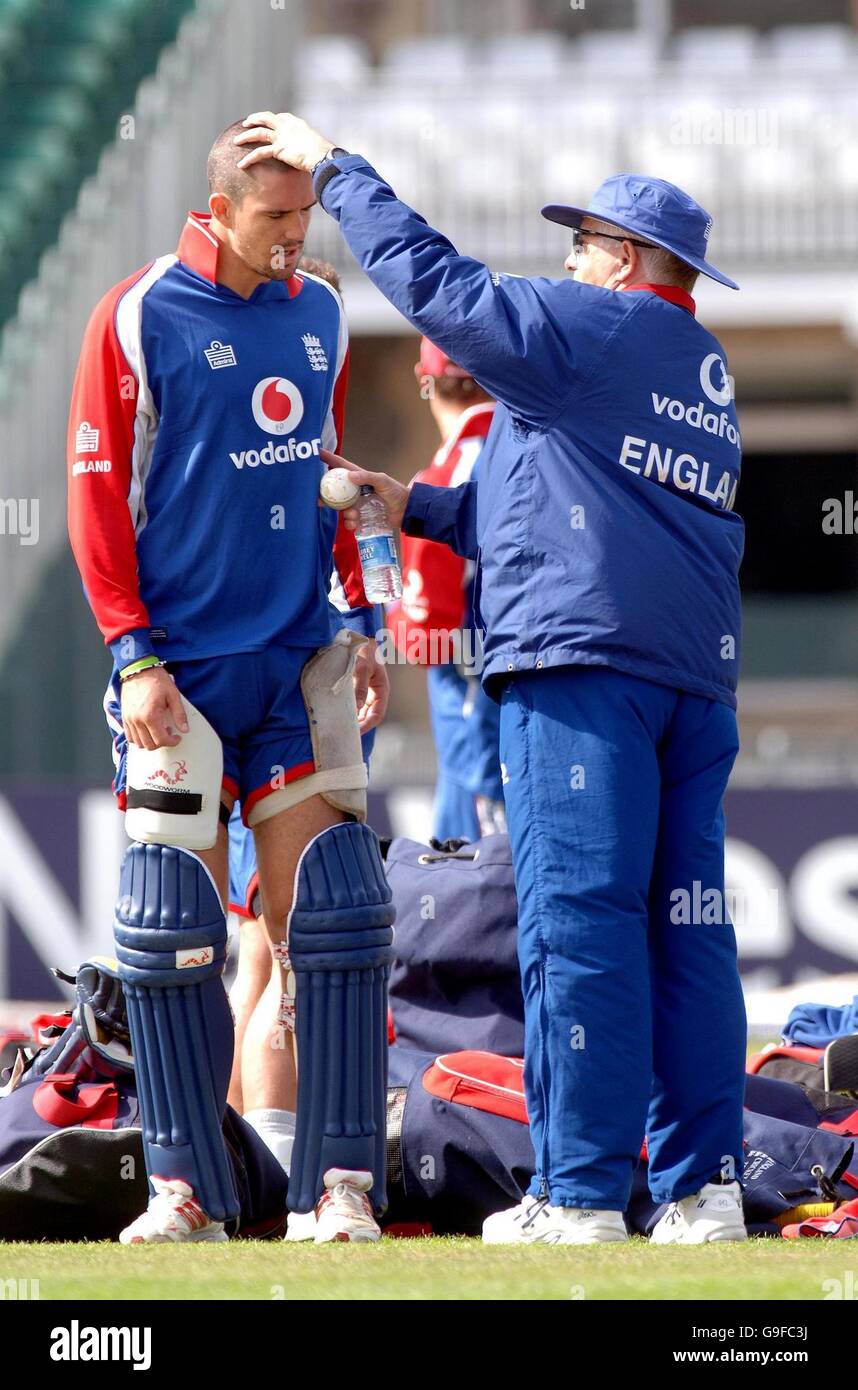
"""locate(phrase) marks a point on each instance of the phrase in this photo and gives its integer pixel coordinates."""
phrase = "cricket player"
(208, 383)
(263, 1083)
(435, 625)
(609, 549)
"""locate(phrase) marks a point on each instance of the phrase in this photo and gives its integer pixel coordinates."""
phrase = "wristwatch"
(326, 168)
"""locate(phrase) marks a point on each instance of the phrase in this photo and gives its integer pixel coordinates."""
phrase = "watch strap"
(326, 169)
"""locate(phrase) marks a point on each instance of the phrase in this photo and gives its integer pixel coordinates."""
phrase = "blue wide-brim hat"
(651, 209)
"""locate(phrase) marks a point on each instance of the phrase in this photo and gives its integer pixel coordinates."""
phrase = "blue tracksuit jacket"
(604, 519)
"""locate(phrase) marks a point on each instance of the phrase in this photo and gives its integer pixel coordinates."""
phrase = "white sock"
(276, 1129)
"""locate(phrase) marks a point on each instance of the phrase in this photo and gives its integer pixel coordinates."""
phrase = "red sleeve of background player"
(432, 607)
(346, 558)
(433, 601)
(100, 461)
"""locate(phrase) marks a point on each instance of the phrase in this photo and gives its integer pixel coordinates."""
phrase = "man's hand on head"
(283, 137)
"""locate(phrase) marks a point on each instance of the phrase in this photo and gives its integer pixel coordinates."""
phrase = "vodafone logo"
(719, 390)
(277, 405)
(278, 409)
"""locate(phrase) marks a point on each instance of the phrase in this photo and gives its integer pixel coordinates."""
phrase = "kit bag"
(455, 983)
(463, 1149)
(71, 1147)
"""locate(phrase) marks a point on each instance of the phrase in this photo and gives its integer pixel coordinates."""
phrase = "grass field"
(435, 1269)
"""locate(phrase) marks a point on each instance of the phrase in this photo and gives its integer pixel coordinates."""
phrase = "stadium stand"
(730, 49)
(421, 60)
(811, 47)
(623, 53)
(67, 73)
(336, 60)
(536, 55)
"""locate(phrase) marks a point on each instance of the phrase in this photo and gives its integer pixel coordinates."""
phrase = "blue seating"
(68, 71)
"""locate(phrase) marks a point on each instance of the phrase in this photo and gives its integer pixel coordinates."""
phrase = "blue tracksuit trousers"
(634, 1016)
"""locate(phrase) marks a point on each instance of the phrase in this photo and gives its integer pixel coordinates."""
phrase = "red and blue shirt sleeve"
(102, 439)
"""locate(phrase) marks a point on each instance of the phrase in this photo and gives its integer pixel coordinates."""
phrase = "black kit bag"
(803, 1066)
(455, 982)
(71, 1147)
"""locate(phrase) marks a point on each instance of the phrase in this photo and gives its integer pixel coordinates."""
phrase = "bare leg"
(268, 1076)
(268, 1073)
(216, 860)
(252, 976)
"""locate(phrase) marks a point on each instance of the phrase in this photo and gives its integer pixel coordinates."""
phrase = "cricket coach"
(609, 550)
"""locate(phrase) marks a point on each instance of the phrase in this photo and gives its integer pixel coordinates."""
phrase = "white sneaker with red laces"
(712, 1214)
(535, 1222)
(173, 1214)
(344, 1211)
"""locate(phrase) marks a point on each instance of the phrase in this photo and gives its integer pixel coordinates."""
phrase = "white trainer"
(344, 1211)
(173, 1214)
(714, 1213)
(535, 1222)
(301, 1225)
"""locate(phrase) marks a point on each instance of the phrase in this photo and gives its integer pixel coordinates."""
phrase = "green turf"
(450, 1269)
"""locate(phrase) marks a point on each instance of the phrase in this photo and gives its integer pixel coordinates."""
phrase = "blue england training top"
(603, 518)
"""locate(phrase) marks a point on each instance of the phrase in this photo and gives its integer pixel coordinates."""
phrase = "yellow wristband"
(144, 664)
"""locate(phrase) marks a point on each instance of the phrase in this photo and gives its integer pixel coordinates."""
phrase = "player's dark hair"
(323, 270)
(222, 168)
(461, 389)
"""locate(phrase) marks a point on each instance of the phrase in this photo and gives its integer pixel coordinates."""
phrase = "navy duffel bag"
(455, 983)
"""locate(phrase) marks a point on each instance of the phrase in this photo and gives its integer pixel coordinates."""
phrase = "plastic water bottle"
(382, 580)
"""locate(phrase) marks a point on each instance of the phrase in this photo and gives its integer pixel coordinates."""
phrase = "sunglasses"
(578, 235)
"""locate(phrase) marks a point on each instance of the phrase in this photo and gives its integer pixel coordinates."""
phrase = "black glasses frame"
(577, 234)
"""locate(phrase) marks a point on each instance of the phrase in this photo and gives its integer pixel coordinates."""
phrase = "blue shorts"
(243, 874)
(253, 701)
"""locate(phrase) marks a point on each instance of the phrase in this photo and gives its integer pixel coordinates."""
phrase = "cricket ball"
(337, 490)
